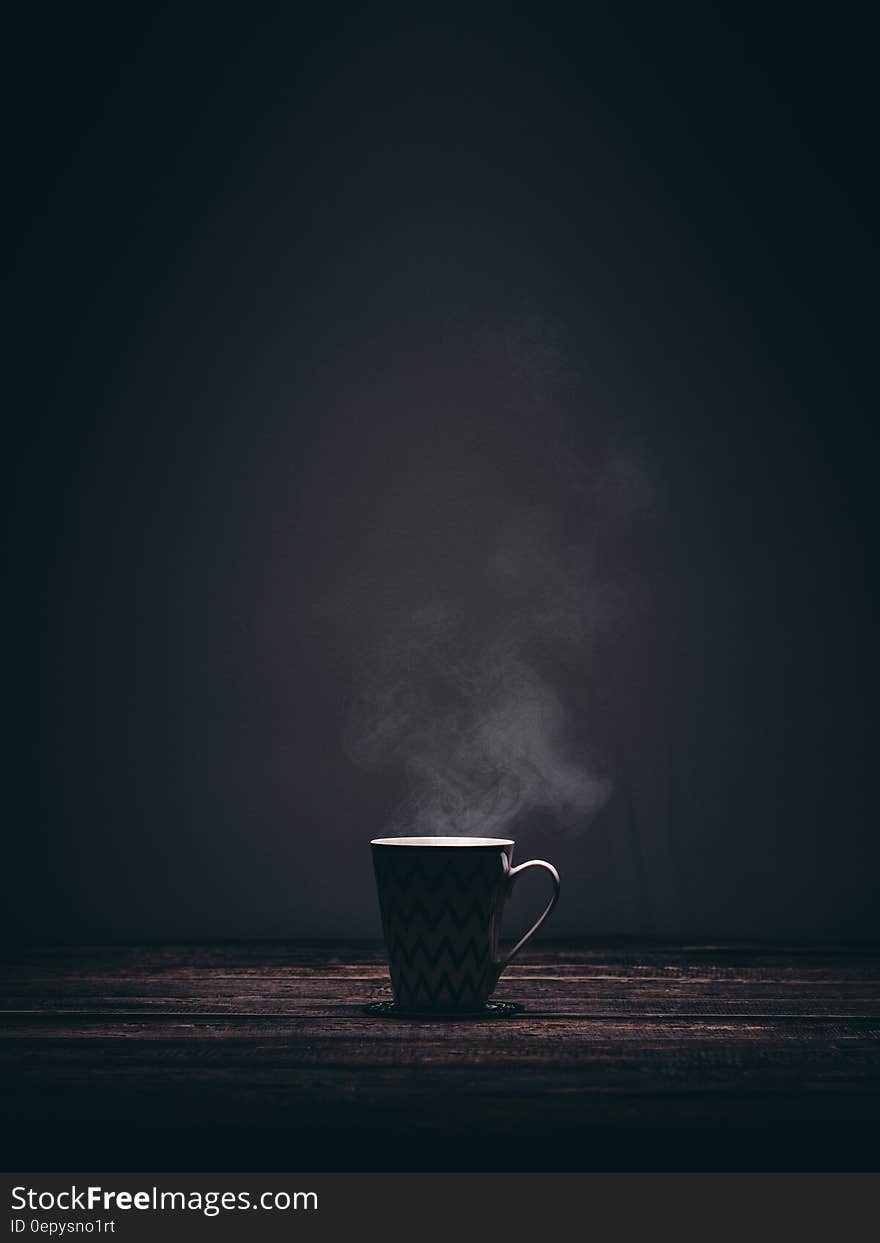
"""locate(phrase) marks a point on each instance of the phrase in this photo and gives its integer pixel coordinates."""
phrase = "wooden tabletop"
(260, 1056)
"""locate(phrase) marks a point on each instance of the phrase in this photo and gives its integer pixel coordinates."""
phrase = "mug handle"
(501, 963)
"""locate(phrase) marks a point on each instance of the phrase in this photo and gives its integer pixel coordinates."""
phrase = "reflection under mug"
(441, 900)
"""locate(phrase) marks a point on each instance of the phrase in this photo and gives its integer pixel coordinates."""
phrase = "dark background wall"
(336, 324)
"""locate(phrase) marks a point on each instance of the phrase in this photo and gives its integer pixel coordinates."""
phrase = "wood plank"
(649, 1057)
(590, 996)
(91, 975)
(90, 971)
(320, 956)
(551, 1007)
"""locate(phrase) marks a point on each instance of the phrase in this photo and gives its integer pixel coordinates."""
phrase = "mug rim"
(444, 843)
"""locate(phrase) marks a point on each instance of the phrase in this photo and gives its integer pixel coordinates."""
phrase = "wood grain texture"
(260, 1056)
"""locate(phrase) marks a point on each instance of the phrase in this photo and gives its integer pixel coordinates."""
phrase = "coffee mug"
(441, 900)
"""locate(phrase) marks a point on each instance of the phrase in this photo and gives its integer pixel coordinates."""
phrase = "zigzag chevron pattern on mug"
(439, 916)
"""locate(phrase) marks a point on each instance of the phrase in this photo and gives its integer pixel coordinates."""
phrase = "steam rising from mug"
(470, 701)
